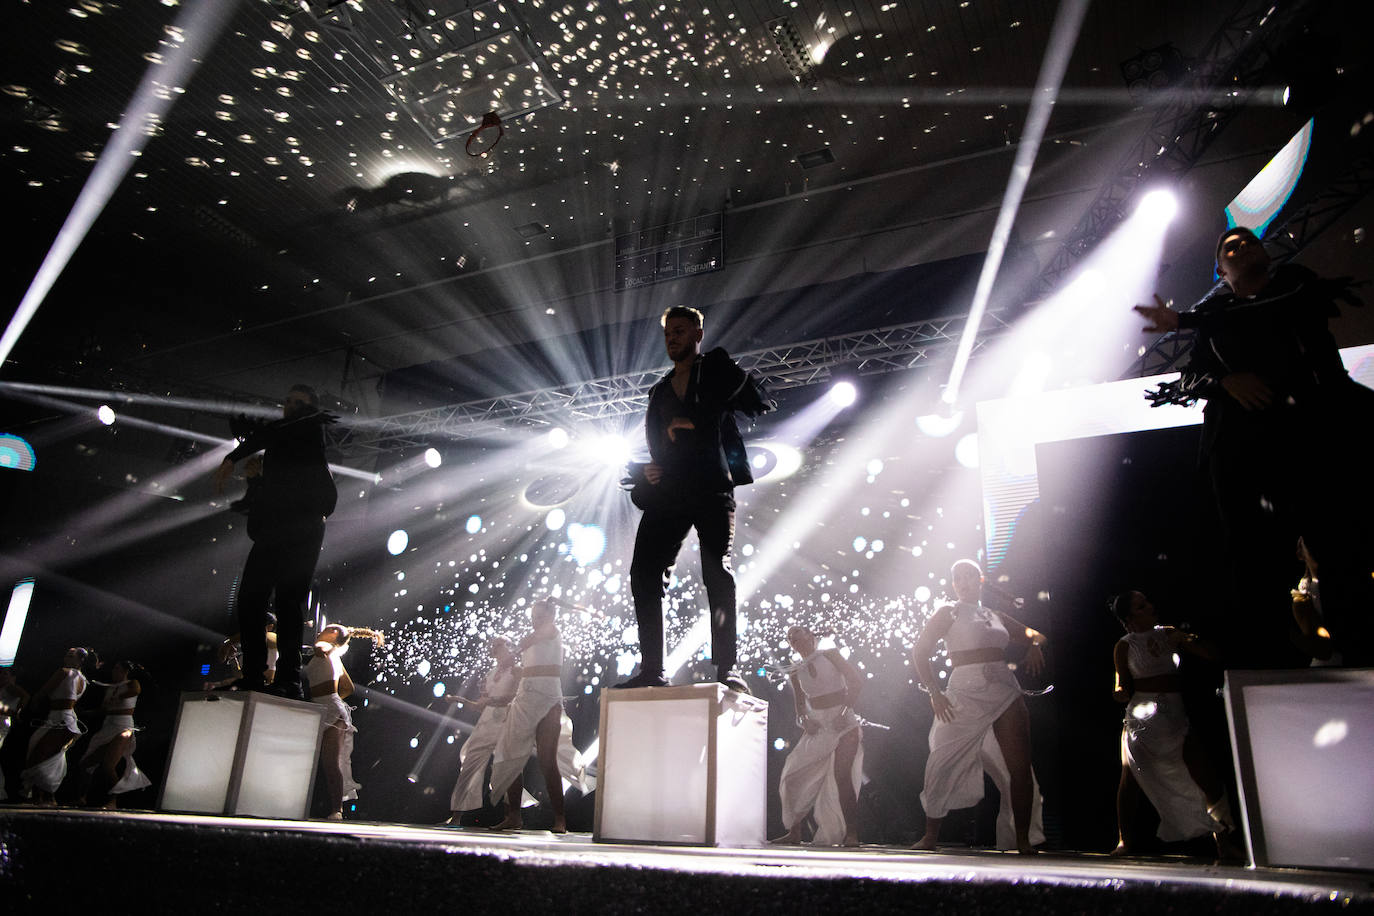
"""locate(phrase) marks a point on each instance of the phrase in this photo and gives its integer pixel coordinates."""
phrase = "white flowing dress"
(111, 728)
(960, 750)
(533, 700)
(501, 685)
(1155, 727)
(322, 669)
(808, 783)
(47, 775)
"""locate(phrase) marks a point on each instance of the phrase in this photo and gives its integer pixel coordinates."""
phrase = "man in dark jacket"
(286, 514)
(1282, 441)
(697, 458)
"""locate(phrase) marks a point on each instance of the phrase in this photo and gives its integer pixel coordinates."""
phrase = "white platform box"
(1303, 741)
(243, 753)
(682, 765)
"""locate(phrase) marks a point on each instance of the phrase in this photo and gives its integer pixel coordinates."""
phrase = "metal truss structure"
(793, 365)
(1231, 65)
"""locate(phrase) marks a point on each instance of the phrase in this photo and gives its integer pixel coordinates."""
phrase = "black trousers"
(661, 532)
(1288, 473)
(279, 571)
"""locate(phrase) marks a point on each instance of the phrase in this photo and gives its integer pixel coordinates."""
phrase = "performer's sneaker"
(642, 679)
(732, 679)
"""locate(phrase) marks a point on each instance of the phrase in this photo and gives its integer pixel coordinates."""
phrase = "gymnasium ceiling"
(288, 218)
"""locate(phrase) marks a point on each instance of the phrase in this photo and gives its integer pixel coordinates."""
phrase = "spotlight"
(1158, 207)
(474, 524)
(555, 519)
(105, 414)
(558, 438)
(966, 451)
(433, 458)
(588, 543)
(843, 394)
(613, 449)
(396, 543)
(939, 425)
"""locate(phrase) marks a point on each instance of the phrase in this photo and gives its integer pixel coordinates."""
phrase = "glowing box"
(1302, 742)
(682, 766)
(243, 753)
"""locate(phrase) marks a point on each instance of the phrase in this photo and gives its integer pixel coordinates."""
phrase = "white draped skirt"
(516, 744)
(339, 712)
(47, 775)
(954, 770)
(474, 757)
(112, 728)
(808, 783)
(1155, 728)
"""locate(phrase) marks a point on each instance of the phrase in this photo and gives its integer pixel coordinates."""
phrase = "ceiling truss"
(793, 365)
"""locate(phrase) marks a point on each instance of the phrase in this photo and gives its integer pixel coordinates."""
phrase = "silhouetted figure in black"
(286, 510)
(1282, 440)
(697, 459)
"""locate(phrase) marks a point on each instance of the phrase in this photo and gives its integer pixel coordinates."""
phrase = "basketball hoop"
(480, 146)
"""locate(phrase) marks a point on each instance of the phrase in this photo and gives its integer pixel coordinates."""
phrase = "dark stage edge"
(64, 860)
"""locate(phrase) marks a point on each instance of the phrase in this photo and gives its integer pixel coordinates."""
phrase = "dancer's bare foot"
(511, 822)
(1027, 851)
(559, 826)
(790, 838)
(851, 837)
(1121, 850)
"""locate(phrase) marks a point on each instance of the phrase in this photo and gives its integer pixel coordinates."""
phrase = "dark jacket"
(296, 491)
(1280, 335)
(711, 457)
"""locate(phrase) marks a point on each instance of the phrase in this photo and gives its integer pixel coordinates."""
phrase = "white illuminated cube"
(243, 753)
(1303, 741)
(682, 765)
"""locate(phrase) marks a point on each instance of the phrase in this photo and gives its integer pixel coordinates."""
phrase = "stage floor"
(54, 860)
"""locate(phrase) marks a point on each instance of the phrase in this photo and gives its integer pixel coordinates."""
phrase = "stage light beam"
(1063, 36)
(201, 24)
(844, 394)
(1158, 208)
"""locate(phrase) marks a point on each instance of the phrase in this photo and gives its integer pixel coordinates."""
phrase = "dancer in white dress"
(113, 745)
(13, 699)
(823, 772)
(1160, 757)
(536, 724)
(498, 691)
(983, 696)
(329, 685)
(46, 765)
